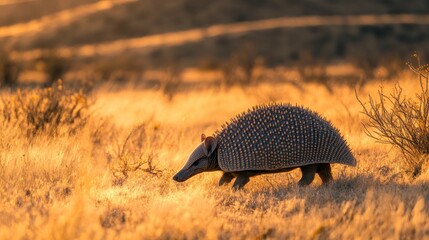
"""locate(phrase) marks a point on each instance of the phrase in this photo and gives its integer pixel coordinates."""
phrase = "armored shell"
(272, 137)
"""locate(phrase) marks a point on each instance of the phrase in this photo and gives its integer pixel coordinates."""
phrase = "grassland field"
(65, 187)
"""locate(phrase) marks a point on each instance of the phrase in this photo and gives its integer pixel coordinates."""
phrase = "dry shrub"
(133, 156)
(54, 66)
(313, 69)
(46, 110)
(113, 218)
(240, 68)
(9, 70)
(171, 82)
(402, 121)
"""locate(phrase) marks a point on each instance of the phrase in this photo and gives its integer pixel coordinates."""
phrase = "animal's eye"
(195, 163)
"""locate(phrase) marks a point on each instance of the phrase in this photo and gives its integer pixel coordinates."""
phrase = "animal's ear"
(210, 144)
(203, 137)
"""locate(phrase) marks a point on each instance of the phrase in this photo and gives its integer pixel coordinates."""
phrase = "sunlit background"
(129, 40)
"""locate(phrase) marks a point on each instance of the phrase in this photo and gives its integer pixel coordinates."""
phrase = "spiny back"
(276, 136)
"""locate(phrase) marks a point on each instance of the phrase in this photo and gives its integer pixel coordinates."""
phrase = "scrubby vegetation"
(130, 157)
(402, 121)
(52, 110)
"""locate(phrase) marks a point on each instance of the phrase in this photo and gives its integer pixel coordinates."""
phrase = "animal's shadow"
(355, 190)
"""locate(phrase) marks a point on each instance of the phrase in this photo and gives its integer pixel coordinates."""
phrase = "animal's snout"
(176, 178)
(181, 176)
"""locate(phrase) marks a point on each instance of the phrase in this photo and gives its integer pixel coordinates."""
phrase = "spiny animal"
(270, 139)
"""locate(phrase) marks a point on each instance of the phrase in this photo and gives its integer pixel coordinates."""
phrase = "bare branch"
(399, 120)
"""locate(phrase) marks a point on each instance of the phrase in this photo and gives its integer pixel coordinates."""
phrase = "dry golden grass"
(63, 187)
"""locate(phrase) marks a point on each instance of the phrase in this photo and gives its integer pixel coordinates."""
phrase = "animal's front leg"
(242, 179)
(226, 178)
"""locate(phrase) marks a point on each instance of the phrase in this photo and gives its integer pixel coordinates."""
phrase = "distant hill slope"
(49, 22)
(159, 16)
(23, 11)
(280, 46)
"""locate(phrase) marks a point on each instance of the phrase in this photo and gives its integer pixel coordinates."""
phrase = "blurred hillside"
(366, 47)
(12, 12)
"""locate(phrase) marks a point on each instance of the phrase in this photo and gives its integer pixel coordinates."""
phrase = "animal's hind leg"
(242, 179)
(308, 173)
(324, 172)
(226, 178)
